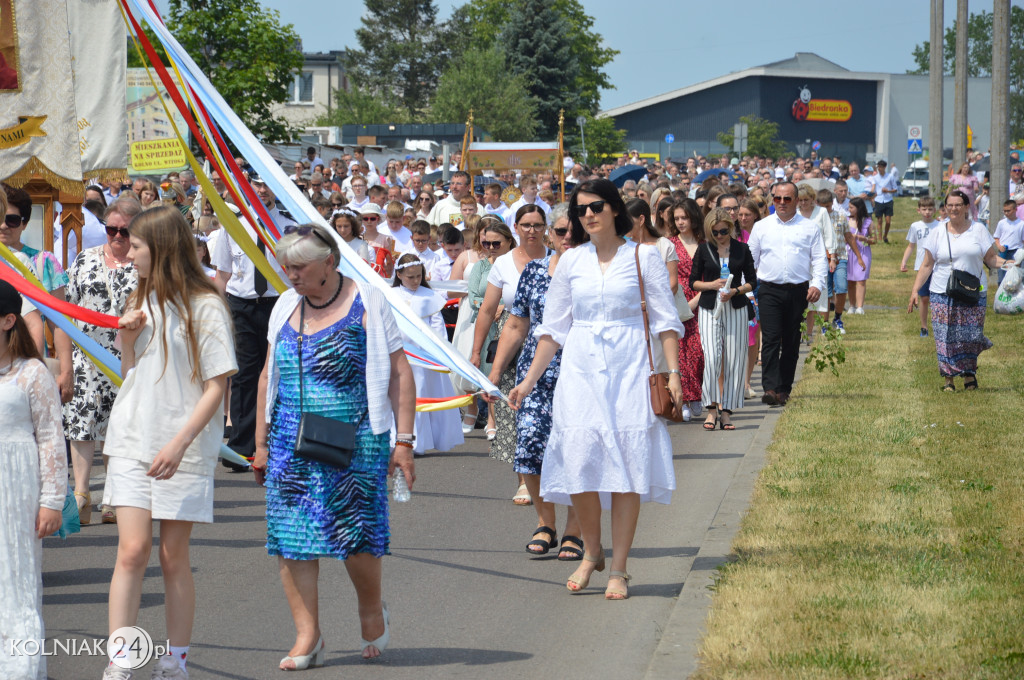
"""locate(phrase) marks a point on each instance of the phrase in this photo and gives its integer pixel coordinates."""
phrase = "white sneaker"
(687, 416)
(116, 673)
(167, 668)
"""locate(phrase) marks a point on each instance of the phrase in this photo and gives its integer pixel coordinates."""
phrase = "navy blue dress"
(315, 510)
(533, 420)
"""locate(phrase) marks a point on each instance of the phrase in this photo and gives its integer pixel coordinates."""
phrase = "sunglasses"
(782, 199)
(597, 207)
(491, 244)
(561, 232)
(719, 232)
(12, 221)
(306, 230)
(371, 218)
(338, 205)
(113, 232)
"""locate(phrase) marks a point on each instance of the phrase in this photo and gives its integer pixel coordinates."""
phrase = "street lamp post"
(580, 120)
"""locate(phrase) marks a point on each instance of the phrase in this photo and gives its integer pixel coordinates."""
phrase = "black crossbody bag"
(962, 287)
(322, 439)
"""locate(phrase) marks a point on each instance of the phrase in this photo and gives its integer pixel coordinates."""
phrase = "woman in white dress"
(607, 448)
(32, 485)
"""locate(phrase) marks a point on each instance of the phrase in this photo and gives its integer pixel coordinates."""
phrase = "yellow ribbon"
(27, 127)
(456, 402)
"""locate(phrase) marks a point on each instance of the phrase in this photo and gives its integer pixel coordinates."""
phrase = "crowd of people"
(546, 298)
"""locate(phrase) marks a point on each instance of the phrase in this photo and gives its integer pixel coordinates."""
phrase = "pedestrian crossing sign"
(914, 146)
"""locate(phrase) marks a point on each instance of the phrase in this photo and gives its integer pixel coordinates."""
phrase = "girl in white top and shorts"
(177, 352)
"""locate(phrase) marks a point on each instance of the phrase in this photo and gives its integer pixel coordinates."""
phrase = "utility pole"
(960, 87)
(935, 101)
(999, 177)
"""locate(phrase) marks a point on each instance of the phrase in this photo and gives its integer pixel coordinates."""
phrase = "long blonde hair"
(175, 273)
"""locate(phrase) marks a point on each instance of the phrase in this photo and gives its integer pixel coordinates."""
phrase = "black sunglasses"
(306, 230)
(491, 244)
(782, 199)
(13, 221)
(114, 231)
(719, 232)
(561, 232)
(338, 205)
(597, 207)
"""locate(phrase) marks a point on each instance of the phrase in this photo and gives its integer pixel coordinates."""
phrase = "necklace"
(341, 280)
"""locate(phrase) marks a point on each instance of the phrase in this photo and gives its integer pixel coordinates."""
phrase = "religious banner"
(99, 47)
(499, 156)
(38, 125)
(155, 149)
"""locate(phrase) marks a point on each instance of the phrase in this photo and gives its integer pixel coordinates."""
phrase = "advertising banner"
(154, 148)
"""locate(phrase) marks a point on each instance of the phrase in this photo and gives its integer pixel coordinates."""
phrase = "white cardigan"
(382, 338)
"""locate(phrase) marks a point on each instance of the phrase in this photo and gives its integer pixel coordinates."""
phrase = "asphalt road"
(466, 600)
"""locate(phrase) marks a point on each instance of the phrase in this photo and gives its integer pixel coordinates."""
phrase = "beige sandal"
(579, 583)
(108, 514)
(84, 509)
(522, 496)
(617, 593)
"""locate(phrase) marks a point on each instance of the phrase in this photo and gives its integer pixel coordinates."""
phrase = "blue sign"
(669, 138)
(914, 146)
(816, 146)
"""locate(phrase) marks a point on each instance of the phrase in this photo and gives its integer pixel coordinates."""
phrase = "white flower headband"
(411, 263)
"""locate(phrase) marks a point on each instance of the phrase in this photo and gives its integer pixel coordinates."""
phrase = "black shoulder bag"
(322, 439)
(962, 287)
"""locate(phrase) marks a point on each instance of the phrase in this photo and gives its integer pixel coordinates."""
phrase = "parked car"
(915, 180)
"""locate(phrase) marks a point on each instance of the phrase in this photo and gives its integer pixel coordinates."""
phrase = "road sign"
(915, 132)
(816, 146)
(914, 146)
(669, 138)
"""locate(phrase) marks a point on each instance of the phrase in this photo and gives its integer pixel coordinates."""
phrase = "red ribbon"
(74, 311)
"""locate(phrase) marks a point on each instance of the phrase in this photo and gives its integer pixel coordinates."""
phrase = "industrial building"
(855, 115)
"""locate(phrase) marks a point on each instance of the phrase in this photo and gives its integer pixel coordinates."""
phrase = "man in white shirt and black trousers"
(250, 299)
(791, 268)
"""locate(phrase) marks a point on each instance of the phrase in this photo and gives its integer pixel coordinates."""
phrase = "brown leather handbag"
(661, 398)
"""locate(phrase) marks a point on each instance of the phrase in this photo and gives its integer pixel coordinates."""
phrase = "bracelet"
(676, 371)
(405, 436)
(406, 444)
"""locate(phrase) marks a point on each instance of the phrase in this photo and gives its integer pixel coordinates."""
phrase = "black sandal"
(710, 426)
(724, 425)
(973, 384)
(544, 546)
(949, 387)
(577, 553)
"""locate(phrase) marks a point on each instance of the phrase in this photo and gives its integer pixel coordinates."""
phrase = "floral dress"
(93, 285)
(691, 355)
(533, 422)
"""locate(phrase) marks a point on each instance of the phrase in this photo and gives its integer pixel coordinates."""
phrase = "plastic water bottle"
(400, 488)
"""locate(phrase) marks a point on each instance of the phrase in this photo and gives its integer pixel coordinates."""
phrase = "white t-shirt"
(137, 430)
(917, 233)
(1010, 234)
(968, 251)
(504, 275)
(666, 250)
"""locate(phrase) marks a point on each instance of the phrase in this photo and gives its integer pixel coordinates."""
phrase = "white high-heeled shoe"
(314, 659)
(467, 428)
(380, 643)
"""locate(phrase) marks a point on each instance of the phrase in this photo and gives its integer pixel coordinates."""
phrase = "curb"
(676, 654)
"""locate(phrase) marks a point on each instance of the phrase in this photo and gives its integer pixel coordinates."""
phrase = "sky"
(669, 44)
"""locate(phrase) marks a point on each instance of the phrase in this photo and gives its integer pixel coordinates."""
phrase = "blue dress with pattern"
(533, 420)
(315, 510)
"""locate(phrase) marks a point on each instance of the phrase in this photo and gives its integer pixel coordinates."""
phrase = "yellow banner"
(157, 154)
(28, 126)
(830, 110)
(513, 159)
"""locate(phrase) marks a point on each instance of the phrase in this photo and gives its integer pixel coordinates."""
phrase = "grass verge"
(884, 537)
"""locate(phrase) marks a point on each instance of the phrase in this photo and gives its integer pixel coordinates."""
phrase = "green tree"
(402, 53)
(480, 22)
(246, 52)
(363, 107)
(762, 137)
(536, 50)
(501, 103)
(979, 58)
(604, 141)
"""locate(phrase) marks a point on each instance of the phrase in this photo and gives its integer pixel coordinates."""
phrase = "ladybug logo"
(801, 106)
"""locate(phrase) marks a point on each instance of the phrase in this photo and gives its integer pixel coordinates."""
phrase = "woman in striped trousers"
(723, 272)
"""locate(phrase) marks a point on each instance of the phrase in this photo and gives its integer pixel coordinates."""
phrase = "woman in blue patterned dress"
(533, 420)
(353, 370)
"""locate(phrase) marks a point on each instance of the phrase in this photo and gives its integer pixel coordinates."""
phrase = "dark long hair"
(862, 211)
(638, 207)
(613, 201)
(693, 211)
